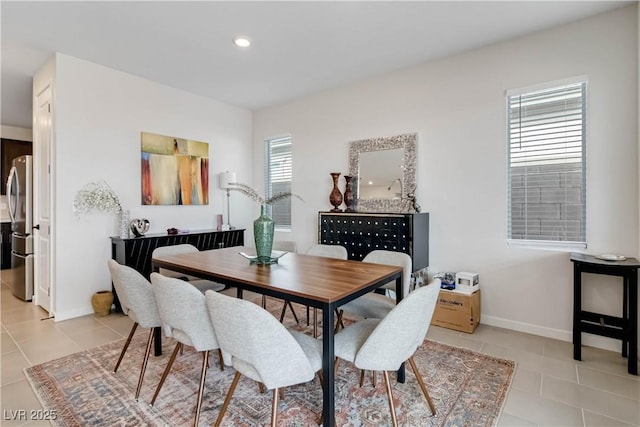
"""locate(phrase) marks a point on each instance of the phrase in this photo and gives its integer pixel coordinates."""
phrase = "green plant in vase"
(263, 226)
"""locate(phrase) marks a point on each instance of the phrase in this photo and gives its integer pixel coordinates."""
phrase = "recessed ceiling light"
(370, 183)
(242, 41)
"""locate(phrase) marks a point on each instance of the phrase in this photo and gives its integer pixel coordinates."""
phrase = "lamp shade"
(227, 178)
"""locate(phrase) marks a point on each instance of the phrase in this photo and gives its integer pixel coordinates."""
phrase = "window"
(546, 173)
(278, 174)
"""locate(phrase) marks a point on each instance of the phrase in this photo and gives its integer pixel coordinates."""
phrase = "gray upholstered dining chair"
(261, 348)
(374, 305)
(202, 284)
(399, 259)
(184, 317)
(137, 301)
(329, 251)
(287, 246)
(383, 345)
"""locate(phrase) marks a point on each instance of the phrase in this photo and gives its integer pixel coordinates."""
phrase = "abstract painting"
(175, 171)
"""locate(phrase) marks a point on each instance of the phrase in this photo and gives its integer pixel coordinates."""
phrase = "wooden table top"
(319, 278)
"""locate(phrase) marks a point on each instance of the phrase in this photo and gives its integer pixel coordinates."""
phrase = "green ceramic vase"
(263, 234)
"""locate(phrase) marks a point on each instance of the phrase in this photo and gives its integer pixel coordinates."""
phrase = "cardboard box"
(457, 311)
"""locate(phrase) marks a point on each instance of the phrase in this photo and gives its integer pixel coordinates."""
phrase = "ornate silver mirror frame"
(408, 142)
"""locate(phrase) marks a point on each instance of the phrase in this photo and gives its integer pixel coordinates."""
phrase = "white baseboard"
(71, 314)
(528, 328)
(558, 334)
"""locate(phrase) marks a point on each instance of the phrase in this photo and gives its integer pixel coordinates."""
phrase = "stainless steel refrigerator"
(20, 200)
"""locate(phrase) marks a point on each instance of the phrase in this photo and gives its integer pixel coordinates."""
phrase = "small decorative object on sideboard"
(611, 257)
(335, 198)
(348, 193)
(411, 196)
(124, 224)
(139, 226)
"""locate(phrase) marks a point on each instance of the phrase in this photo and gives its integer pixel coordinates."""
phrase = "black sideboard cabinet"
(361, 233)
(136, 252)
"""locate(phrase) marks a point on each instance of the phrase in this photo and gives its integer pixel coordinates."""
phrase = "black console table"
(136, 252)
(624, 328)
(361, 233)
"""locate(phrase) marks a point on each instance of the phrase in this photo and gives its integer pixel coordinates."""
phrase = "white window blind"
(546, 174)
(278, 174)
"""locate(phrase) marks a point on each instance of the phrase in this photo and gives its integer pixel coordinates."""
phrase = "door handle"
(10, 195)
(36, 227)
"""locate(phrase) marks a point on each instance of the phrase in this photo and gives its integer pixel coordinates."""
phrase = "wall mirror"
(384, 171)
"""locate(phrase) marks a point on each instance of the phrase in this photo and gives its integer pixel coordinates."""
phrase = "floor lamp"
(226, 179)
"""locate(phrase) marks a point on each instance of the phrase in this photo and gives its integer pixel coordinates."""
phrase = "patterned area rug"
(468, 389)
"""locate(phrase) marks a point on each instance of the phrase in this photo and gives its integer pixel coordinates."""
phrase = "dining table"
(318, 282)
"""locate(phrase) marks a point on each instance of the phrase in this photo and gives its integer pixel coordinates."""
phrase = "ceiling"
(299, 48)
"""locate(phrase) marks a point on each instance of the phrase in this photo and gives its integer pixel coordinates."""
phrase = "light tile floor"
(549, 388)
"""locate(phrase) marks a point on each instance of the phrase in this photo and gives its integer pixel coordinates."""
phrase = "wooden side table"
(624, 328)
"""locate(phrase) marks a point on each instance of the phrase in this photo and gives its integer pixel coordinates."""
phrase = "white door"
(42, 136)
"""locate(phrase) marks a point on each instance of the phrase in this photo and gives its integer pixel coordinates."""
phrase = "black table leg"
(399, 295)
(633, 322)
(116, 300)
(625, 313)
(157, 341)
(577, 308)
(328, 377)
(157, 332)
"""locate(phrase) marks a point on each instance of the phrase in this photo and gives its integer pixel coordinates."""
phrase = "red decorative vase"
(335, 198)
(348, 193)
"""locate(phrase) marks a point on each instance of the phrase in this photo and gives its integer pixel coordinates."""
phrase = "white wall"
(99, 114)
(457, 106)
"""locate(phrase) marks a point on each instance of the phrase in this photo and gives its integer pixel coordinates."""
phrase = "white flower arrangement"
(257, 197)
(97, 196)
